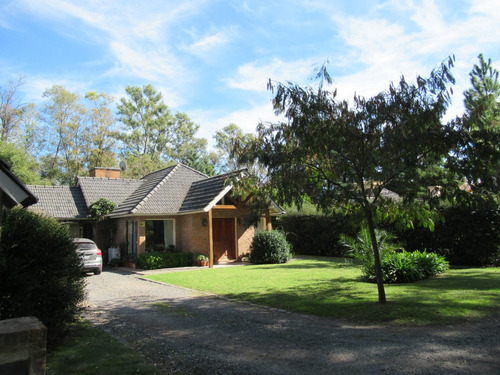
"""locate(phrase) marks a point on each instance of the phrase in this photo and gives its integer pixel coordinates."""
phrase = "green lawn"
(89, 351)
(332, 288)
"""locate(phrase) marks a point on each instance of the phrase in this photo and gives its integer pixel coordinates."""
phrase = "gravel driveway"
(186, 332)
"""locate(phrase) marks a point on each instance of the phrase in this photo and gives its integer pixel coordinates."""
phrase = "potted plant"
(115, 262)
(202, 260)
(129, 261)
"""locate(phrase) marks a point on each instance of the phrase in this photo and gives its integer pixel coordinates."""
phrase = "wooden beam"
(268, 221)
(210, 241)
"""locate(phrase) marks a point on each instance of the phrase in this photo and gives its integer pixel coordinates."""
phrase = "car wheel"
(97, 272)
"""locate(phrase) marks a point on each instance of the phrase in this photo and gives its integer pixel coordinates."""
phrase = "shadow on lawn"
(419, 303)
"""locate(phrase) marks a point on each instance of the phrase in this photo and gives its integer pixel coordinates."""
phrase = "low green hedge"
(159, 259)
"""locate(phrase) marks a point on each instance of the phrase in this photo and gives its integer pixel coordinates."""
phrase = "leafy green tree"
(342, 154)
(64, 115)
(100, 139)
(141, 165)
(150, 128)
(201, 163)
(23, 165)
(10, 108)
(479, 154)
(225, 141)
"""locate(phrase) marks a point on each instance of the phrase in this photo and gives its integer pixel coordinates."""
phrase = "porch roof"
(204, 194)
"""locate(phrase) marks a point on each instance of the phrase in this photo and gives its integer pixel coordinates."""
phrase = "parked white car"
(90, 254)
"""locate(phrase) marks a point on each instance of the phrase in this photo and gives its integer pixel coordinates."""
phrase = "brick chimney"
(105, 172)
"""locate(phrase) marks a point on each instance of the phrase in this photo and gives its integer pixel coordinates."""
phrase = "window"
(132, 237)
(160, 234)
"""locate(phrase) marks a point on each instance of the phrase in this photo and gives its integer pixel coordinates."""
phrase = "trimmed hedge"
(270, 248)
(316, 234)
(40, 271)
(159, 259)
(467, 237)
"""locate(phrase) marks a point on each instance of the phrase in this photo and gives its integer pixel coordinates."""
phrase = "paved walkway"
(186, 332)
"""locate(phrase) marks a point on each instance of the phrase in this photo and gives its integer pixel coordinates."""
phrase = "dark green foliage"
(100, 208)
(270, 247)
(407, 267)
(316, 234)
(466, 237)
(40, 271)
(361, 247)
(159, 259)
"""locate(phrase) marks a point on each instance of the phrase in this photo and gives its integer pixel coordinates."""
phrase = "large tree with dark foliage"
(340, 153)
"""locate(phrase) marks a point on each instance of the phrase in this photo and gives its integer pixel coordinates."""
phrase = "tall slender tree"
(479, 153)
(64, 116)
(11, 108)
(101, 135)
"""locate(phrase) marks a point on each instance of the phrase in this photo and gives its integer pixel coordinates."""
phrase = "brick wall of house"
(199, 235)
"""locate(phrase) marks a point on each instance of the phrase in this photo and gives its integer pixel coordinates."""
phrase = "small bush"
(269, 248)
(407, 267)
(40, 271)
(361, 247)
(159, 259)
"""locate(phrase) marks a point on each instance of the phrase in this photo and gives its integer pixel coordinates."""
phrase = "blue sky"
(212, 59)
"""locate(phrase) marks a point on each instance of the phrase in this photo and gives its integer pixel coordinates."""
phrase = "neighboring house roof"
(177, 189)
(13, 190)
(62, 202)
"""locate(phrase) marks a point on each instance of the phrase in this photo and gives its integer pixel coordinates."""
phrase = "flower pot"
(202, 263)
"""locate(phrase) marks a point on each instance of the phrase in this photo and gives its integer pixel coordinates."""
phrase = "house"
(175, 206)
(12, 190)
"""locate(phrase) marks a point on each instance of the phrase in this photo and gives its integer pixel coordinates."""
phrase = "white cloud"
(254, 76)
(207, 45)
(246, 119)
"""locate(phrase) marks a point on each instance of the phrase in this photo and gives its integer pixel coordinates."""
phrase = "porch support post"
(210, 241)
(268, 220)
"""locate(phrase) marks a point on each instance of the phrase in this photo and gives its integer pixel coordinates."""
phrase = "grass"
(332, 288)
(89, 351)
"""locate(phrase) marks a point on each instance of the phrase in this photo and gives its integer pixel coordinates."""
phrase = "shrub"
(316, 234)
(407, 267)
(269, 248)
(159, 259)
(361, 247)
(40, 270)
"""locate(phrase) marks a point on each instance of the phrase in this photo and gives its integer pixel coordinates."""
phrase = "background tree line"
(68, 134)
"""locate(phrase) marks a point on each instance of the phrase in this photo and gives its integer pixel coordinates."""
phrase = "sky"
(213, 59)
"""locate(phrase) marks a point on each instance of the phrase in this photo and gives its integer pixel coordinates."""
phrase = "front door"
(224, 239)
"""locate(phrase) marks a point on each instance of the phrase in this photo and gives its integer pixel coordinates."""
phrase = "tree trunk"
(376, 256)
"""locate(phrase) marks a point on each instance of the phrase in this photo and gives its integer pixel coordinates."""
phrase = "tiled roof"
(203, 193)
(162, 192)
(172, 190)
(62, 202)
(114, 189)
